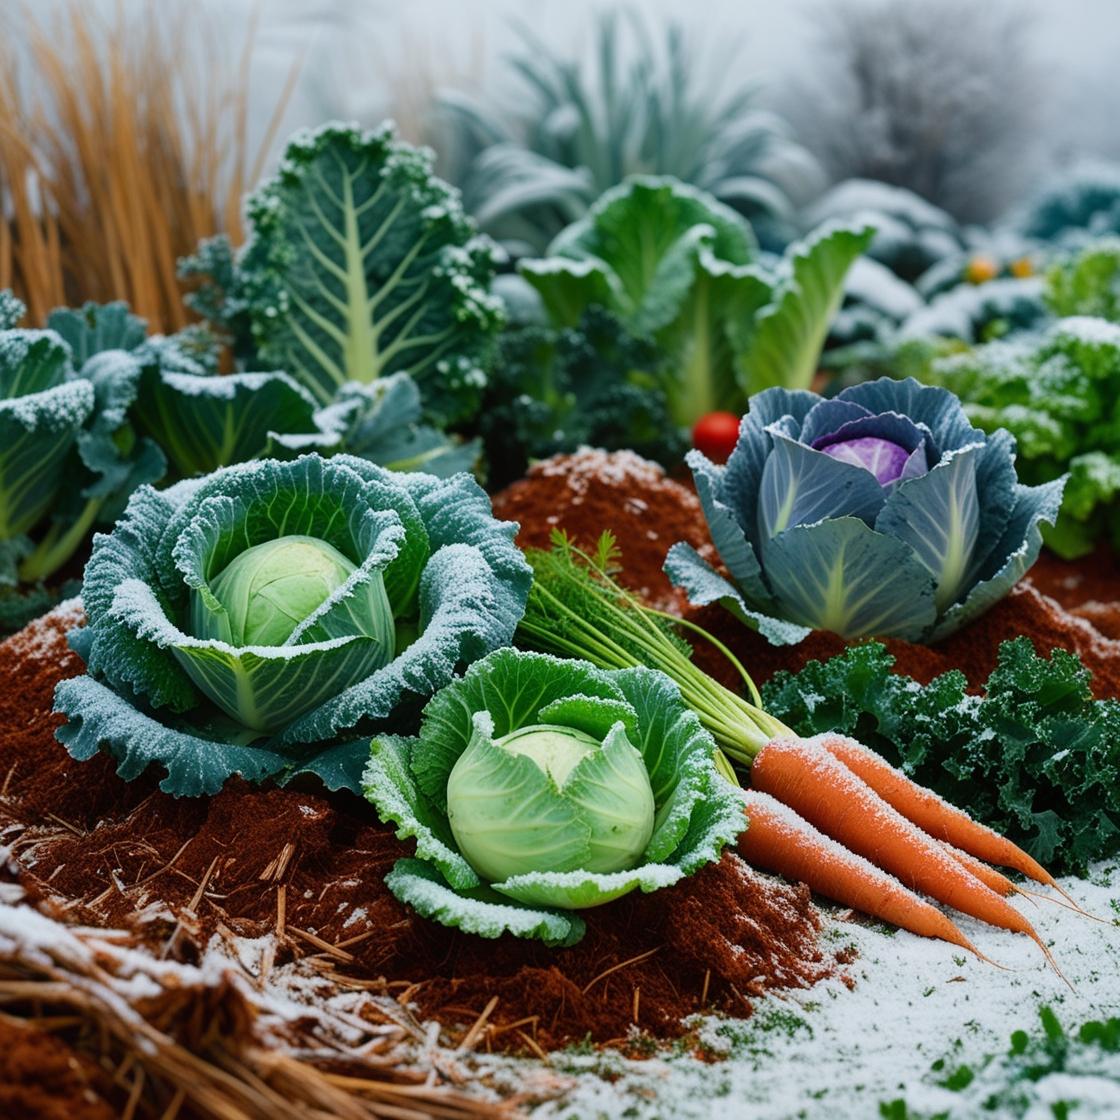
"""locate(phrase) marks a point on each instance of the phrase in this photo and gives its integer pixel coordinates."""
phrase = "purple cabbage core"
(883, 458)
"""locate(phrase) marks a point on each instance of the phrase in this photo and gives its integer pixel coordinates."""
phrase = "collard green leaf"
(361, 263)
(381, 422)
(204, 422)
(783, 344)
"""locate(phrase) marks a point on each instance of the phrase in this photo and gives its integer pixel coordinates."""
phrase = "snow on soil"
(833, 1053)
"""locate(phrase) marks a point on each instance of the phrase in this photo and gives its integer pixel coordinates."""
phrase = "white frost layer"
(833, 1053)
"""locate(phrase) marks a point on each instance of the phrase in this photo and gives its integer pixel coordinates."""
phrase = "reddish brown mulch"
(42, 1078)
(591, 491)
(311, 868)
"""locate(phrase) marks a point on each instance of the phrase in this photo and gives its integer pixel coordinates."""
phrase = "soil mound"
(305, 872)
(1072, 605)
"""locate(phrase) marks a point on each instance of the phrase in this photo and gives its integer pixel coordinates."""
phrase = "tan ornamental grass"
(124, 140)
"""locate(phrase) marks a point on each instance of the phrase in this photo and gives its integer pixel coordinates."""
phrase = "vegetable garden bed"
(262, 914)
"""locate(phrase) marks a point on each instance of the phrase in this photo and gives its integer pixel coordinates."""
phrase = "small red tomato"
(716, 435)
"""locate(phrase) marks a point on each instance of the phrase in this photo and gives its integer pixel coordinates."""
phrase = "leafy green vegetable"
(68, 459)
(212, 650)
(1058, 396)
(1087, 283)
(539, 785)
(1036, 757)
(360, 263)
(881, 511)
(673, 263)
(555, 390)
(1002, 1084)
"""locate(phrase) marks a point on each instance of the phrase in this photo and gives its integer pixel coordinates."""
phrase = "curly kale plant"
(554, 390)
(879, 512)
(539, 786)
(256, 620)
(1035, 756)
(674, 264)
(360, 263)
(1059, 395)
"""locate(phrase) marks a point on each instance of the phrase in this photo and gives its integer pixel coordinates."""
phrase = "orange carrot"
(778, 840)
(989, 876)
(820, 788)
(931, 813)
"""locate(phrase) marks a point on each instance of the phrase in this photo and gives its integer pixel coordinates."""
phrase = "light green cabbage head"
(540, 786)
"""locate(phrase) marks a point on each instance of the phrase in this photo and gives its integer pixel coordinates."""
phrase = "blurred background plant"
(120, 148)
(940, 97)
(633, 103)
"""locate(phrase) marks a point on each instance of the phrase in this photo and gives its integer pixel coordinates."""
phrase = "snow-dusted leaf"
(481, 911)
(361, 263)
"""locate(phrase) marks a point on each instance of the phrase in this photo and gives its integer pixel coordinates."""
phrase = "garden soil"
(42, 1078)
(308, 871)
(585, 493)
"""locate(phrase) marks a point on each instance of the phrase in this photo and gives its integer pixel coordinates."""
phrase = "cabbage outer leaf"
(479, 911)
(697, 811)
(1016, 551)
(98, 719)
(41, 412)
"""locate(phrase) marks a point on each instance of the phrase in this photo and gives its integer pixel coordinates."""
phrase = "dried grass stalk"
(197, 1046)
(124, 144)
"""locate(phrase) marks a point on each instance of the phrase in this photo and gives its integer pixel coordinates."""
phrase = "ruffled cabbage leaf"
(697, 811)
(159, 691)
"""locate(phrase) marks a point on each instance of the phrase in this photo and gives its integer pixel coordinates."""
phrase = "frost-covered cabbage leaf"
(977, 312)
(673, 263)
(1034, 756)
(68, 459)
(1059, 396)
(167, 392)
(360, 263)
(879, 512)
(541, 786)
(211, 649)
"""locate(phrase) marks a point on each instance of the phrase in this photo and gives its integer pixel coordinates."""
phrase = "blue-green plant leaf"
(1016, 551)
(938, 516)
(96, 327)
(98, 718)
(841, 575)
(41, 412)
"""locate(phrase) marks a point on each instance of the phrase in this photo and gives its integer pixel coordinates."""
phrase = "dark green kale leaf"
(1035, 757)
(556, 389)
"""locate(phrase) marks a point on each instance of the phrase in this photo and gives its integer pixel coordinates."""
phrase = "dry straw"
(123, 142)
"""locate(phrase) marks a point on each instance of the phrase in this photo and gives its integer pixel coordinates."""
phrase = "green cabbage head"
(255, 620)
(539, 786)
